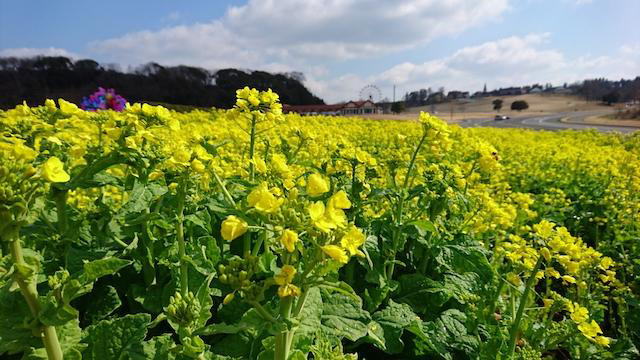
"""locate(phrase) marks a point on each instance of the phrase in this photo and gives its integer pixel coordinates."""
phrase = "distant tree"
(38, 78)
(497, 104)
(397, 107)
(519, 105)
(423, 94)
(610, 98)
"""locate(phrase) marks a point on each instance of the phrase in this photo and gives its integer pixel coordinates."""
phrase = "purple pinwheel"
(103, 100)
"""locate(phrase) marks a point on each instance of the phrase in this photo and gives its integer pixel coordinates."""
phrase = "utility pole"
(394, 93)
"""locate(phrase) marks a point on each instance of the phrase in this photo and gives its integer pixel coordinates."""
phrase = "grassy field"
(483, 107)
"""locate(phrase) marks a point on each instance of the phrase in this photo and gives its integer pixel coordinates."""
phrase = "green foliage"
(519, 105)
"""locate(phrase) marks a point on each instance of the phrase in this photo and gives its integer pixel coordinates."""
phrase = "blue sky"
(343, 45)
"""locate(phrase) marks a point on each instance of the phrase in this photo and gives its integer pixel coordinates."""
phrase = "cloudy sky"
(343, 45)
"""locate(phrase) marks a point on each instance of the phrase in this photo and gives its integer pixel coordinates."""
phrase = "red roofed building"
(361, 107)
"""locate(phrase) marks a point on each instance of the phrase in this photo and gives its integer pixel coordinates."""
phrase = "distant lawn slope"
(538, 103)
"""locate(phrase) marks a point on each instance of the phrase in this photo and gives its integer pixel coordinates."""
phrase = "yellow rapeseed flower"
(233, 227)
(336, 253)
(286, 275)
(260, 165)
(590, 330)
(288, 290)
(317, 213)
(352, 240)
(53, 171)
(263, 200)
(289, 239)
(317, 185)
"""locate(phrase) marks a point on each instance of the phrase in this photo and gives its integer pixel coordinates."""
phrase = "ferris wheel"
(371, 93)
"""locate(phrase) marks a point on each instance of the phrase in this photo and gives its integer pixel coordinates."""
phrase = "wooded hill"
(39, 78)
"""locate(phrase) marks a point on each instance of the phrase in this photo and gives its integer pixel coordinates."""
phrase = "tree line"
(50, 77)
(610, 91)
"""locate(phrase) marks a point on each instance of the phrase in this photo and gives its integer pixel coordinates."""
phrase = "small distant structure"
(509, 91)
(455, 95)
(361, 107)
(436, 98)
(561, 90)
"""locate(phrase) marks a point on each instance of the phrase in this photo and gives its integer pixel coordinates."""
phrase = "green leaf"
(310, 316)
(389, 324)
(343, 317)
(99, 268)
(424, 226)
(116, 338)
(69, 336)
(158, 348)
(15, 334)
(206, 302)
(423, 294)
(223, 328)
(465, 258)
(142, 196)
(151, 298)
(449, 332)
(105, 301)
(55, 314)
(238, 345)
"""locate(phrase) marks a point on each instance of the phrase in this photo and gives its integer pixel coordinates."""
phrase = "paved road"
(572, 120)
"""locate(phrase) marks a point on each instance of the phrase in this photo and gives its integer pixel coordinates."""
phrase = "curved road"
(571, 120)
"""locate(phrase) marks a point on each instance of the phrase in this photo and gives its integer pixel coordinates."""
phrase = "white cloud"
(30, 52)
(511, 61)
(582, 2)
(301, 34)
(630, 49)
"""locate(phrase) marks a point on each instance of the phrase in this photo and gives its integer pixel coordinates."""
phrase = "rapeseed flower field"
(249, 234)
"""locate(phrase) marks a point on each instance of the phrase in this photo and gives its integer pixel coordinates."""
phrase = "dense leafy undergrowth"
(248, 234)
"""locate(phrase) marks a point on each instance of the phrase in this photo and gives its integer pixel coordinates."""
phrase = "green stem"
(184, 276)
(492, 305)
(300, 303)
(30, 294)
(262, 311)
(252, 145)
(246, 245)
(398, 221)
(354, 167)
(284, 337)
(396, 238)
(224, 188)
(60, 197)
(413, 160)
(523, 302)
(258, 244)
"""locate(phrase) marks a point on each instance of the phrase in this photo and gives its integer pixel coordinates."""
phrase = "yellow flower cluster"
(590, 329)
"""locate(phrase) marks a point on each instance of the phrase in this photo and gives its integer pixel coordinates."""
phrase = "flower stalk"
(30, 294)
(523, 302)
(184, 276)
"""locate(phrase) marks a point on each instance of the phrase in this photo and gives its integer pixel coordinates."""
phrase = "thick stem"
(30, 294)
(523, 302)
(252, 145)
(60, 197)
(398, 228)
(262, 311)
(184, 277)
(246, 245)
(284, 337)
